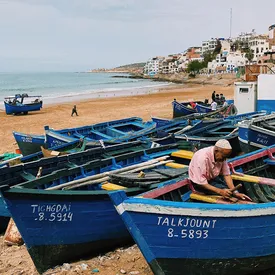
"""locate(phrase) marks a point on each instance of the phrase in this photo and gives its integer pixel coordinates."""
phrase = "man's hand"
(242, 196)
(226, 193)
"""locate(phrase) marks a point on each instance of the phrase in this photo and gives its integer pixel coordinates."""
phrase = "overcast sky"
(75, 35)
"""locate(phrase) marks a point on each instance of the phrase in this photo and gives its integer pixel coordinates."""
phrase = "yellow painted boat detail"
(175, 165)
(111, 186)
(183, 154)
(246, 178)
(204, 198)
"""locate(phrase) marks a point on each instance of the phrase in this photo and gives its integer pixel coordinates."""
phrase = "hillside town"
(218, 55)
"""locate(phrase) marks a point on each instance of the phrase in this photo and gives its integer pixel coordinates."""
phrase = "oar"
(234, 131)
(61, 186)
(104, 179)
(236, 188)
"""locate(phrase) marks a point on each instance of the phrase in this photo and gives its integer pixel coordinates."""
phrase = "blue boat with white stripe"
(182, 232)
(257, 132)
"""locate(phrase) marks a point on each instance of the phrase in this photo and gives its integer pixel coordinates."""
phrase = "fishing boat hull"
(24, 108)
(160, 122)
(203, 109)
(210, 133)
(54, 139)
(252, 136)
(72, 225)
(78, 165)
(4, 223)
(194, 238)
(179, 109)
(29, 144)
(233, 140)
(111, 132)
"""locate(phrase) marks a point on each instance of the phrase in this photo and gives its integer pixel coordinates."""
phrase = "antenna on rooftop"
(230, 22)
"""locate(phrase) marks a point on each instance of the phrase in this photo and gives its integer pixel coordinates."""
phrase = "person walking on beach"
(214, 96)
(74, 111)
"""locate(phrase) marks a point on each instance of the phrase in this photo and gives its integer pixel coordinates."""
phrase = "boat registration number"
(52, 212)
(185, 227)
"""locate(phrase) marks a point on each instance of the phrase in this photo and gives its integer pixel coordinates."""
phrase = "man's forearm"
(211, 188)
(229, 181)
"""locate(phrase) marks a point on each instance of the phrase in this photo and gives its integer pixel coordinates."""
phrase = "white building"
(245, 36)
(228, 62)
(235, 60)
(152, 66)
(209, 45)
(259, 45)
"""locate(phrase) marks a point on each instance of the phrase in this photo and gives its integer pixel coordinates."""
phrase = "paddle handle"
(236, 187)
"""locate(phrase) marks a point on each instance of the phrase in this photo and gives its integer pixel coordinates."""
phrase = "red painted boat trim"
(165, 189)
(267, 152)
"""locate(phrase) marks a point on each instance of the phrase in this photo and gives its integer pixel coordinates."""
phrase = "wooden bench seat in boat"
(112, 187)
(27, 176)
(99, 134)
(113, 132)
(183, 154)
(175, 165)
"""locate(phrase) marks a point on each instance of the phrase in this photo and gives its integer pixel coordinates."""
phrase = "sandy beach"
(15, 260)
(91, 111)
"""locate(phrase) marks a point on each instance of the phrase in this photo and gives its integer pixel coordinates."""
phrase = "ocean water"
(62, 87)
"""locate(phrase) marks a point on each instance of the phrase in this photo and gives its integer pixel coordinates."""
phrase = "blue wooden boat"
(81, 164)
(182, 109)
(160, 122)
(182, 232)
(108, 132)
(73, 223)
(17, 104)
(210, 134)
(203, 108)
(257, 132)
(29, 143)
(96, 135)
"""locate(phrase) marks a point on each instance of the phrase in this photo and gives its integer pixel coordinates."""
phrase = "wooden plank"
(254, 179)
(183, 154)
(111, 187)
(175, 165)
(209, 199)
(27, 176)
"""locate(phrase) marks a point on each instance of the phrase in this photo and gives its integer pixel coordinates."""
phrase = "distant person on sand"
(214, 106)
(74, 111)
(214, 96)
(218, 100)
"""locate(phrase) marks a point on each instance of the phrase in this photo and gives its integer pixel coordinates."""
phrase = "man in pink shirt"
(206, 167)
